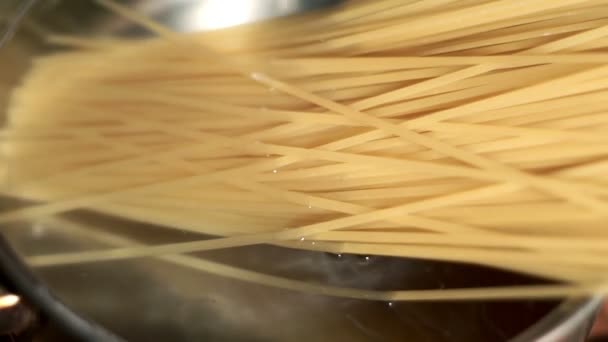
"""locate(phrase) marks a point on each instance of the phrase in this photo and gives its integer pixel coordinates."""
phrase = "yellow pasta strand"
(460, 131)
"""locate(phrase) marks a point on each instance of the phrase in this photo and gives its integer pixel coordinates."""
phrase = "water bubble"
(339, 255)
(310, 206)
(274, 171)
(363, 260)
(390, 304)
(313, 242)
(302, 238)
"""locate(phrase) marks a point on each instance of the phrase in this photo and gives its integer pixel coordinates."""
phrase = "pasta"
(466, 131)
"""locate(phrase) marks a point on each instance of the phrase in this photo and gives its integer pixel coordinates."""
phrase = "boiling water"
(148, 299)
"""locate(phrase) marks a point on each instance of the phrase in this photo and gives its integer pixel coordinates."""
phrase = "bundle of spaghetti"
(470, 131)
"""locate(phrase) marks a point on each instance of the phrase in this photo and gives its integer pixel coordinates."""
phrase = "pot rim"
(562, 321)
(16, 277)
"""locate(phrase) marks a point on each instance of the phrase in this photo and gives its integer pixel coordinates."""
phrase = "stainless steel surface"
(215, 14)
(571, 321)
(150, 298)
(181, 15)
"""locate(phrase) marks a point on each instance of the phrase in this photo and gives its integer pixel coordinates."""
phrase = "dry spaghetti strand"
(415, 129)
